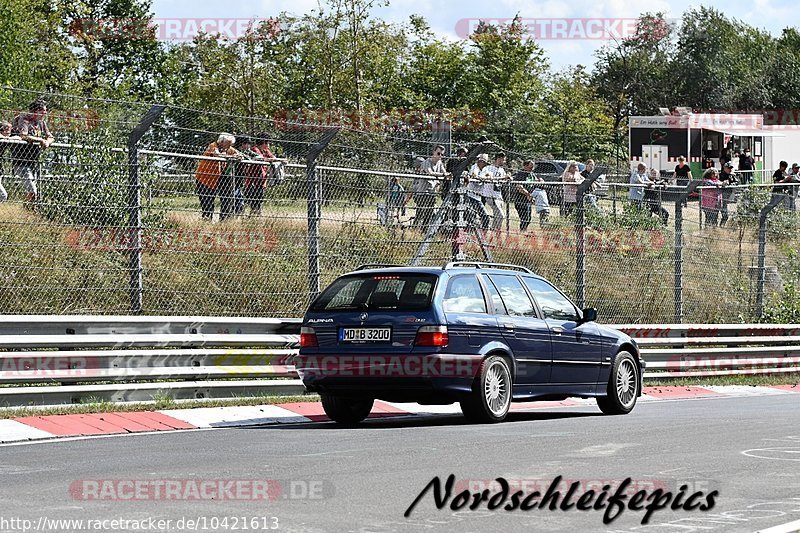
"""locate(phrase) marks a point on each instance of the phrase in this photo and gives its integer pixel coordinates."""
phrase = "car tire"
(623, 386)
(491, 397)
(346, 410)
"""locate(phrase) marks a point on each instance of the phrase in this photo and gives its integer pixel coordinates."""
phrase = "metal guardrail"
(706, 350)
(47, 360)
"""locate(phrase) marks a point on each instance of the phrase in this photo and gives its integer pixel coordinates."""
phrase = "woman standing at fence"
(207, 177)
(711, 196)
(572, 178)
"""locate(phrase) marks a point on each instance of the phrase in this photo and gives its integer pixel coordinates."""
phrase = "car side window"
(545, 168)
(494, 296)
(554, 305)
(464, 295)
(514, 296)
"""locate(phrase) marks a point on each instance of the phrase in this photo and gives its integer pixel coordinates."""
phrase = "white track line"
(791, 527)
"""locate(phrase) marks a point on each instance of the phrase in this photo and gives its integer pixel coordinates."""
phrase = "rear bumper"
(433, 378)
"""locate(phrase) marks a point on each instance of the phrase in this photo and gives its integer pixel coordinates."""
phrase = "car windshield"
(399, 292)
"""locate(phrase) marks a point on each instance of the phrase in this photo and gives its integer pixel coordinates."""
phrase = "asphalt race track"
(323, 478)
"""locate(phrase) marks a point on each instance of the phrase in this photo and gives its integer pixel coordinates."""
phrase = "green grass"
(752, 380)
(160, 402)
(628, 277)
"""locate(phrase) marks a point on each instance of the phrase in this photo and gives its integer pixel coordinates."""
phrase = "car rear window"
(400, 292)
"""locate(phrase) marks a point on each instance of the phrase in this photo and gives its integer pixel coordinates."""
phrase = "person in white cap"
(492, 192)
(475, 184)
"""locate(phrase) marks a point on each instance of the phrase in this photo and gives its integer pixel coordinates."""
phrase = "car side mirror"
(589, 314)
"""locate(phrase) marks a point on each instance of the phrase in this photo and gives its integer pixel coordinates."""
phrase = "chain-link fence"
(149, 209)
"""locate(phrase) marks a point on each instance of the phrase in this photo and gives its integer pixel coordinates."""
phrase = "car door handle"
(558, 330)
(508, 325)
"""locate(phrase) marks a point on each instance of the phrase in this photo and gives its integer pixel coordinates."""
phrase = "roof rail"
(377, 265)
(480, 264)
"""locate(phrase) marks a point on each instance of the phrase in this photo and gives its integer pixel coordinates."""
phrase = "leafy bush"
(89, 186)
(784, 307)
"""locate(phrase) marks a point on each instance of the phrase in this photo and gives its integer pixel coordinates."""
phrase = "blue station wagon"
(480, 334)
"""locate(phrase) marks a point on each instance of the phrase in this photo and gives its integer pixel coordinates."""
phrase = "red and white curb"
(31, 428)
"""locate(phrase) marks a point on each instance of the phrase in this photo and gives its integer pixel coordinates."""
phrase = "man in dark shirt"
(746, 166)
(521, 194)
(31, 128)
(778, 176)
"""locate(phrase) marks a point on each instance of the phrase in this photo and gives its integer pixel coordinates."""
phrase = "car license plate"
(365, 334)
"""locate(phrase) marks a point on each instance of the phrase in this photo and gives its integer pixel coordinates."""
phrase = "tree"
(115, 47)
(33, 51)
(574, 120)
(634, 76)
(722, 63)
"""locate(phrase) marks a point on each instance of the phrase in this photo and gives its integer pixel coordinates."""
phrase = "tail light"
(308, 338)
(431, 336)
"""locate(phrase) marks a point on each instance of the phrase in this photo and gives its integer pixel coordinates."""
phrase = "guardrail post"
(135, 207)
(314, 210)
(776, 200)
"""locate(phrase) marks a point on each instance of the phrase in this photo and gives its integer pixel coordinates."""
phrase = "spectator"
(5, 132)
(782, 176)
(208, 177)
(711, 196)
(397, 201)
(32, 128)
(638, 181)
(492, 190)
(588, 169)
(542, 203)
(727, 178)
(475, 186)
(255, 179)
(450, 167)
(239, 172)
(683, 173)
(424, 187)
(793, 190)
(590, 198)
(653, 196)
(746, 166)
(572, 177)
(245, 175)
(522, 196)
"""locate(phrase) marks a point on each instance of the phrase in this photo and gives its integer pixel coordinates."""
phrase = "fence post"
(580, 237)
(135, 207)
(678, 251)
(314, 210)
(776, 200)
